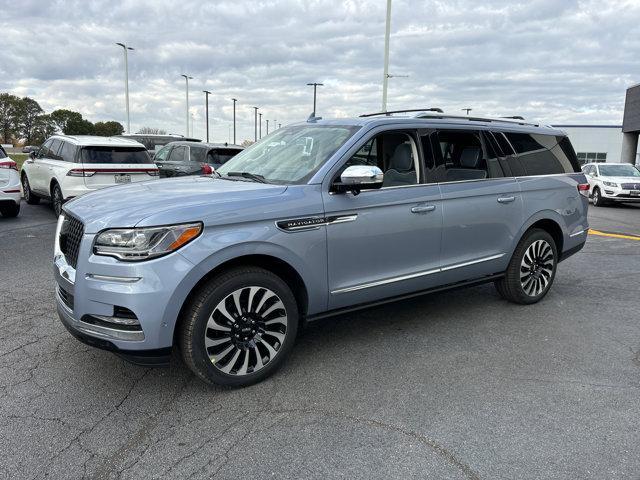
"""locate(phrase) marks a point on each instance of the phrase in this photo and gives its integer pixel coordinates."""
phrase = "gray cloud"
(552, 61)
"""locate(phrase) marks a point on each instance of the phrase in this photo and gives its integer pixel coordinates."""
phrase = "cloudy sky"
(556, 61)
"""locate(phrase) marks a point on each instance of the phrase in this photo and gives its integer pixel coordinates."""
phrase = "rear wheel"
(240, 327)
(29, 197)
(10, 210)
(56, 199)
(531, 270)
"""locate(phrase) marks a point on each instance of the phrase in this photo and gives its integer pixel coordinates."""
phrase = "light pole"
(267, 126)
(187, 78)
(315, 86)
(275, 125)
(255, 123)
(126, 81)
(260, 128)
(466, 110)
(385, 78)
(234, 119)
(279, 125)
(206, 110)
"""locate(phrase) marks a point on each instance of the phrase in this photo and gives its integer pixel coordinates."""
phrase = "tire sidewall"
(597, 198)
(201, 358)
(54, 189)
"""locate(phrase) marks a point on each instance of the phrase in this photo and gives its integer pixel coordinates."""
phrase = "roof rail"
(515, 117)
(513, 120)
(431, 109)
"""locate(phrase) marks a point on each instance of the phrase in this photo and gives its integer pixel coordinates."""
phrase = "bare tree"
(152, 131)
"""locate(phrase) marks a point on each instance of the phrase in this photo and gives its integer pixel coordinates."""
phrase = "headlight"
(134, 244)
(610, 184)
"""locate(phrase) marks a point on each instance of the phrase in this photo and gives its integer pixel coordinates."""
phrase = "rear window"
(126, 155)
(220, 156)
(2, 155)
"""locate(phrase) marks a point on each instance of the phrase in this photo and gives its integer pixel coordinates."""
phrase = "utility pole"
(255, 124)
(234, 119)
(385, 78)
(126, 82)
(315, 86)
(267, 126)
(187, 78)
(206, 109)
(279, 125)
(260, 131)
(275, 125)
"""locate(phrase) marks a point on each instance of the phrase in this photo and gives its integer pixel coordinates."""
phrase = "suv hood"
(128, 205)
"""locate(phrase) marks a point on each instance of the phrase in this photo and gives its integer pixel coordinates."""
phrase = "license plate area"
(122, 178)
(635, 193)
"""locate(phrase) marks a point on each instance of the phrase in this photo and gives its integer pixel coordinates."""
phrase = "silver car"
(319, 218)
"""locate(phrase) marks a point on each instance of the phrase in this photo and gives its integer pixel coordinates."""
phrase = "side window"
(395, 153)
(536, 155)
(460, 156)
(162, 154)
(44, 151)
(198, 154)
(54, 150)
(67, 152)
(178, 154)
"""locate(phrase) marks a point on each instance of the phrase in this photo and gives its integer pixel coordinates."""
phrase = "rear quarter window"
(542, 154)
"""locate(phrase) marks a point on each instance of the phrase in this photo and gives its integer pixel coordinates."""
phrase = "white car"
(612, 182)
(9, 186)
(69, 166)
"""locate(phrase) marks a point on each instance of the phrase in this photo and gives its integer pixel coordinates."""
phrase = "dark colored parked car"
(154, 142)
(177, 159)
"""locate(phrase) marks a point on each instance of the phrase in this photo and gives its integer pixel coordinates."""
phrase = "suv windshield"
(114, 155)
(619, 171)
(291, 154)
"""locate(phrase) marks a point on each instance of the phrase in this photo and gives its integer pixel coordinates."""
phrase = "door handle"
(506, 199)
(423, 209)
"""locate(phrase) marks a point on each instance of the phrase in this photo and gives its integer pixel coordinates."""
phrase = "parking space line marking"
(614, 235)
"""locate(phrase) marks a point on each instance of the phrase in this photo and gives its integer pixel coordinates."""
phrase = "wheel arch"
(269, 262)
(548, 221)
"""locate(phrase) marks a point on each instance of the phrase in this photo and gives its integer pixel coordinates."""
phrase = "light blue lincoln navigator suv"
(318, 218)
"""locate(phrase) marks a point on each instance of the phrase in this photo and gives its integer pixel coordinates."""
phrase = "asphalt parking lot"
(454, 385)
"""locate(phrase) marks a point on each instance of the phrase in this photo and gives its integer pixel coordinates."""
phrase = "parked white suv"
(612, 182)
(9, 186)
(70, 166)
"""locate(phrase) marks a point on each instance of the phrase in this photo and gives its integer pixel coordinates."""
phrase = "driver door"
(385, 242)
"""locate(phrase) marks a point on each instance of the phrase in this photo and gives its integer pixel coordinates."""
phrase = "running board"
(362, 306)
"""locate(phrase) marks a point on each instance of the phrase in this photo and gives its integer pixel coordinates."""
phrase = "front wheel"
(531, 270)
(239, 327)
(597, 199)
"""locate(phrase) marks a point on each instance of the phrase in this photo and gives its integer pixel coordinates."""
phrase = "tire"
(237, 348)
(531, 270)
(10, 211)
(597, 199)
(29, 197)
(57, 200)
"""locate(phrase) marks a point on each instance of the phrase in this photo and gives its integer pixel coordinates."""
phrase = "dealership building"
(609, 143)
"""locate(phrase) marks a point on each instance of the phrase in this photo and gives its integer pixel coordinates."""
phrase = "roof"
(438, 120)
(95, 141)
(205, 144)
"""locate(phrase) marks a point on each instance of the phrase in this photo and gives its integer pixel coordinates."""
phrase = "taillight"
(206, 169)
(9, 164)
(583, 189)
(80, 172)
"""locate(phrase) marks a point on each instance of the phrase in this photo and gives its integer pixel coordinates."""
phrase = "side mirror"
(32, 154)
(360, 177)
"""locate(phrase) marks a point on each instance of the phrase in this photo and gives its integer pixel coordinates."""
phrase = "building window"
(591, 157)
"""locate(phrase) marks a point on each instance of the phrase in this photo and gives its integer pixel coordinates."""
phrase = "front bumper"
(98, 286)
(616, 194)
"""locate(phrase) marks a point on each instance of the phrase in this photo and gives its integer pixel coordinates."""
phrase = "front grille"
(70, 237)
(66, 298)
(631, 186)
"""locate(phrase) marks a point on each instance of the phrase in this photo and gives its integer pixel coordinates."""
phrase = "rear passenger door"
(481, 205)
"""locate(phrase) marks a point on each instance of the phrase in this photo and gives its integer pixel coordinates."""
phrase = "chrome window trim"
(410, 276)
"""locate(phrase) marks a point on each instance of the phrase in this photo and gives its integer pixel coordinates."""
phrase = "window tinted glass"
(68, 152)
(45, 150)
(619, 171)
(504, 145)
(220, 156)
(197, 154)
(126, 155)
(2, 154)
(178, 154)
(54, 148)
(460, 156)
(524, 142)
(162, 154)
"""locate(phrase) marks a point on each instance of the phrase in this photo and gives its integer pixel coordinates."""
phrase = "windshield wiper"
(249, 175)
